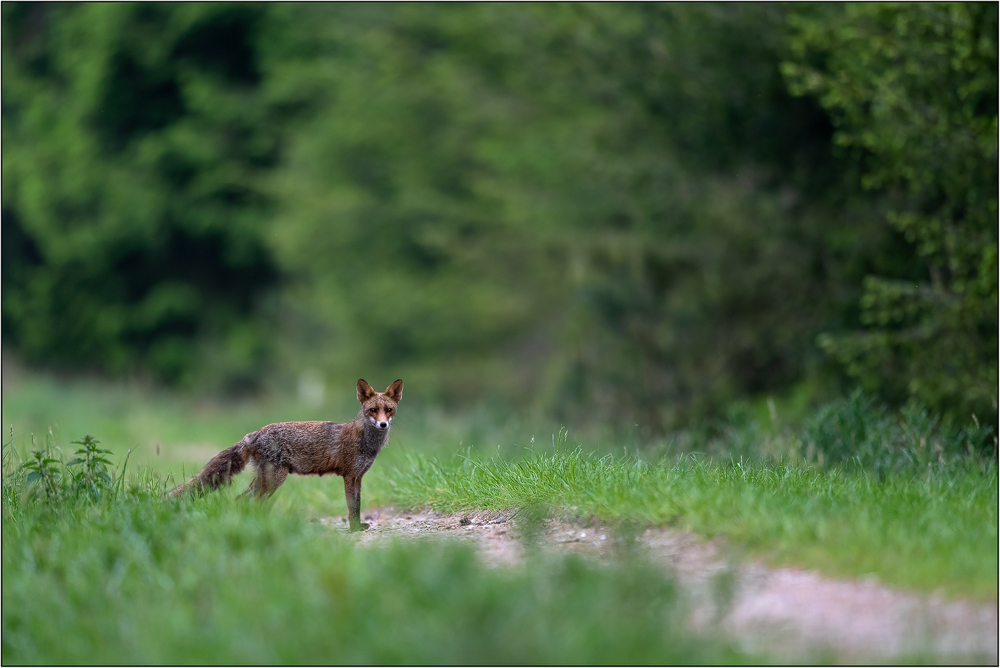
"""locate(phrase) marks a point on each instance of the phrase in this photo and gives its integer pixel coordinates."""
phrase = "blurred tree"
(616, 211)
(913, 91)
(133, 212)
(399, 257)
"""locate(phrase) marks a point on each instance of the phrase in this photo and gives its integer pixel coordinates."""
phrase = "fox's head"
(379, 407)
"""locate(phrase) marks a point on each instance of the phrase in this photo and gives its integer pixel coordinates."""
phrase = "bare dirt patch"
(788, 613)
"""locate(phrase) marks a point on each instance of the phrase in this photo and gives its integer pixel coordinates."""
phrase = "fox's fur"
(309, 448)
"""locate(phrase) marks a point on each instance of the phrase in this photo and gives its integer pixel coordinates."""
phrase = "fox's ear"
(395, 391)
(365, 391)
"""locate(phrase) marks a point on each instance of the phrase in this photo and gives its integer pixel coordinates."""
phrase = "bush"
(913, 92)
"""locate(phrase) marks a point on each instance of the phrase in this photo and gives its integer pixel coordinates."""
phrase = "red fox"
(309, 448)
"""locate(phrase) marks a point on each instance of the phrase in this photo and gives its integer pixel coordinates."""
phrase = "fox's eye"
(388, 411)
(372, 410)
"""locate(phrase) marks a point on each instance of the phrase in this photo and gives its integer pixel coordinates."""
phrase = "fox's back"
(301, 433)
(302, 447)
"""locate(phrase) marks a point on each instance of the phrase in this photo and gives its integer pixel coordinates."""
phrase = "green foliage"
(92, 475)
(133, 213)
(559, 217)
(607, 213)
(44, 470)
(44, 476)
(402, 259)
(913, 91)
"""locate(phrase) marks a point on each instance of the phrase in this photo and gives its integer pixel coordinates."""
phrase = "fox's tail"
(218, 471)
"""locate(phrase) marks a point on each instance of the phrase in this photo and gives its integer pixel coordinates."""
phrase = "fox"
(308, 448)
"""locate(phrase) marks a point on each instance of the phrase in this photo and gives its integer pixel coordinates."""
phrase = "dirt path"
(784, 611)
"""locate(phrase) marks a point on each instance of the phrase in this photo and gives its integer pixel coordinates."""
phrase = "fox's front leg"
(352, 487)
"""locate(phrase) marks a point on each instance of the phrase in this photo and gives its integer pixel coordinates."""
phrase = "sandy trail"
(788, 613)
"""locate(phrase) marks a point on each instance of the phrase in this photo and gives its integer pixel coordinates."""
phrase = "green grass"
(139, 580)
(936, 531)
(104, 570)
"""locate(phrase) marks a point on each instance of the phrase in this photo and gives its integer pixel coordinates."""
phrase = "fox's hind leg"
(253, 489)
(267, 478)
(273, 480)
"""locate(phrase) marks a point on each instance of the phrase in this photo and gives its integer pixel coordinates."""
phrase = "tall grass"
(132, 578)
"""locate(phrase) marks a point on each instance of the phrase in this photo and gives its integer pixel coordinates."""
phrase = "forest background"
(614, 214)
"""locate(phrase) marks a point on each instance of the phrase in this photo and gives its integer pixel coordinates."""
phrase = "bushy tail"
(218, 471)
